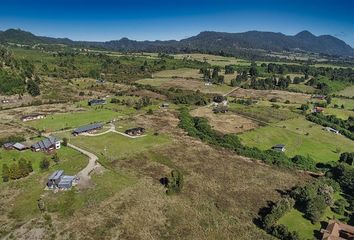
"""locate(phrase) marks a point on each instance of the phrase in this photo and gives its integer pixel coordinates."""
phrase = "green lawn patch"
(300, 137)
(347, 92)
(75, 119)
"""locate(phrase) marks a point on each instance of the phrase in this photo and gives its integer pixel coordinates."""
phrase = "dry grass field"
(281, 96)
(225, 123)
(222, 194)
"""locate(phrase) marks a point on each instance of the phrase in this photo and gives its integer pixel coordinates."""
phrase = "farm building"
(59, 180)
(95, 102)
(165, 105)
(317, 96)
(279, 148)
(87, 128)
(19, 146)
(337, 231)
(135, 131)
(46, 145)
(329, 129)
(32, 117)
(8, 145)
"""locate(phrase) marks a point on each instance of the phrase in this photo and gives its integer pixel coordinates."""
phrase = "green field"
(30, 189)
(263, 112)
(300, 137)
(338, 112)
(348, 103)
(112, 146)
(71, 160)
(301, 88)
(74, 119)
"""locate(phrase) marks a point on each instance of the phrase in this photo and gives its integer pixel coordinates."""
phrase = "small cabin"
(87, 128)
(279, 148)
(32, 117)
(135, 131)
(332, 130)
(95, 102)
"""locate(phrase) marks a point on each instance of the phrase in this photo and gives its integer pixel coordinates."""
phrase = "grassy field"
(74, 119)
(348, 103)
(301, 88)
(28, 190)
(262, 112)
(114, 146)
(70, 159)
(338, 112)
(348, 92)
(187, 84)
(181, 73)
(300, 137)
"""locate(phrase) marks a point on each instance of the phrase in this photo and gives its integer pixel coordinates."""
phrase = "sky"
(163, 20)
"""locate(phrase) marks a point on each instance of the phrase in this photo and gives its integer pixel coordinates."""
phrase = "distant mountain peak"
(305, 34)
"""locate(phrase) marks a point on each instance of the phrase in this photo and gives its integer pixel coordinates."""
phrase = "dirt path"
(111, 129)
(84, 174)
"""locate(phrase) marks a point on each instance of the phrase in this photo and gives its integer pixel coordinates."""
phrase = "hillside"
(206, 41)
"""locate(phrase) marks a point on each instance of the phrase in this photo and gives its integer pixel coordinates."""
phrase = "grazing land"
(300, 137)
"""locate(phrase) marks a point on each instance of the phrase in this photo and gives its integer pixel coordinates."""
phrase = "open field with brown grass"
(222, 193)
(281, 96)
(225, 122)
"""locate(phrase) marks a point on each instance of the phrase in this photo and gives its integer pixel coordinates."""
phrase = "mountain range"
(207, 41)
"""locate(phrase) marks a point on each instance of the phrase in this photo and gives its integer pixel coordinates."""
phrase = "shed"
(87, 128)
(135, 131)
(8, 145)
(94, 102)
(19, 146)
(279, 148)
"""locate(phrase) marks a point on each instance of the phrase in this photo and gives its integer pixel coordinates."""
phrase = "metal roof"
(279, 146)
(19, 146)
(8, 144)
(46, 143)
(88, 128)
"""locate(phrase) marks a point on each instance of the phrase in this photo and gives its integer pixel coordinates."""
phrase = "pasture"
(347, 92)
(74, 119)
(300, 137)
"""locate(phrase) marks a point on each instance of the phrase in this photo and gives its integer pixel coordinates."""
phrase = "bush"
(174, 182)
(315, 209)
(278, 210)
(44, 164)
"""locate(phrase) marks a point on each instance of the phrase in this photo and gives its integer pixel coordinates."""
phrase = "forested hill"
(229, 43)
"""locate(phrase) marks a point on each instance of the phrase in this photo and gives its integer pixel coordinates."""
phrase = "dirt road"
(84, 174)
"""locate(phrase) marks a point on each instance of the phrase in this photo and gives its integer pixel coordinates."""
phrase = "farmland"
(300, 137)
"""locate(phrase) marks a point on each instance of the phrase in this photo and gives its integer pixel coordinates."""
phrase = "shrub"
(174, 182)
(44, 164)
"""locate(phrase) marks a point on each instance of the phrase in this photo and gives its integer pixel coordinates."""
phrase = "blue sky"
(156, 19)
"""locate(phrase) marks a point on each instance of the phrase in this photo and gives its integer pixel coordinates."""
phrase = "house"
(336, 230)
(95, 102)
(220, 109)
(8, 145)
(32, 117)
(320, 97)
(60, 181)
(19, 146)
(279, 148)
(165, 105)
(87, 128)
(46, 145)
(329, 129)
(317, 110)
(100, 81)
(135, 131)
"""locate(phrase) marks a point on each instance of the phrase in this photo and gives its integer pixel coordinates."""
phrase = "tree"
(253, 70)
(44, 164)
(175, 182)
(315, 209)
(65, 141)
(56, 158)
(33, 88)
(329, 100)
(5, 173)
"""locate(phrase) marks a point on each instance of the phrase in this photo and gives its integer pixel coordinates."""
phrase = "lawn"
(295, 221)
(74, 119)
(181, 73)
(113, 146)
(300, 137)
(31, 188)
